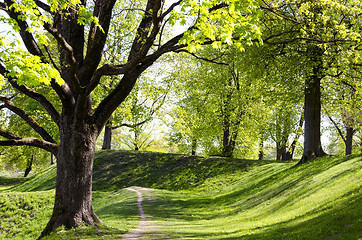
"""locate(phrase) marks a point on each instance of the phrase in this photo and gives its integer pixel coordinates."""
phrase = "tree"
(320, 31)
(342, 108)
(219, 106)
(74, 70)
(145, 101)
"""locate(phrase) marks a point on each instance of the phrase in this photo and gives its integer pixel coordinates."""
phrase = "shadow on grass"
(224, 216)
(120, 169)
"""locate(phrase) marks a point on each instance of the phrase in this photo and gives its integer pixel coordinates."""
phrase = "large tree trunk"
(312, 111)
(73, 196)
(107, 140)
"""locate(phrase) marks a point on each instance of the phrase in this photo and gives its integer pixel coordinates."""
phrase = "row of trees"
(308, 46)
(74, 71)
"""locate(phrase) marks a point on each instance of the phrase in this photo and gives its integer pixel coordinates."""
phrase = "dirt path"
(147, 229)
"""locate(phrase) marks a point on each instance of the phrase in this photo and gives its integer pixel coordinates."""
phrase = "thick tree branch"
(42, 5)
(96, 38)
(28, 119)
(70, 56)
(26, 36)
(33, 142)
(8, 135)
(32, 94)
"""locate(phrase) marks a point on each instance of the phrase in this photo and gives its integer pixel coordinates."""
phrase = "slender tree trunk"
(289, 154)
(261, 149)
(349, 138)
(52, 159)
(136, 148)
(226, 147)
(193, 147)
(107, 140)
(312, 111)
(29, 167)
(73, 196)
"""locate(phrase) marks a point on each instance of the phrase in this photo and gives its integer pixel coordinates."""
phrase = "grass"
(201, 198)
(320, 200)
(24, 215)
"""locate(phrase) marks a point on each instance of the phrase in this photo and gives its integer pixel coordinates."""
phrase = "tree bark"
(51, 159)
(29, 167)
(193, 147)
(281, 151)
(73, 196)
(312, 111)
(349, 138)
(107, 140)
(261, 149)
(229, 141)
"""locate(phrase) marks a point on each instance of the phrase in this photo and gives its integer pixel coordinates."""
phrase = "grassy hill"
(202, 198)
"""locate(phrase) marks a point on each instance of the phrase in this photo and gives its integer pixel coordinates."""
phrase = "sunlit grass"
(202, 198)
(24, 215)
(320, 200)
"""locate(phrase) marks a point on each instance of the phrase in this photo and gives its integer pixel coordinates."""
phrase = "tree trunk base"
(71, 220)
(308, 158)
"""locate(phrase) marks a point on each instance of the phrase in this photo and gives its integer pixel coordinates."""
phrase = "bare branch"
(170, 9)
(275, 11)
(131, 125)
(335, 125)
(51, 58)
(201, 58)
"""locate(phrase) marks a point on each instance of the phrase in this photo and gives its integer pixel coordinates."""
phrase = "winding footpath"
(146, 229)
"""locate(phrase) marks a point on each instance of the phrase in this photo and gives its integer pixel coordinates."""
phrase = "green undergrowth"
(318, 200)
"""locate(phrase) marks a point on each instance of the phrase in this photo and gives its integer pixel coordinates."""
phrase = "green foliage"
(218, 98)
(24, 67)
(236, 25)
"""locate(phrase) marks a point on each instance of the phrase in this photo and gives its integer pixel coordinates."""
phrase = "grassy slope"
(212, 198)
(320, 200)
